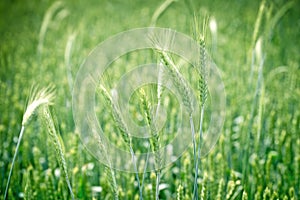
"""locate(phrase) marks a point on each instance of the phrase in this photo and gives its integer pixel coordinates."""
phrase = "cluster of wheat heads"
(166, 62)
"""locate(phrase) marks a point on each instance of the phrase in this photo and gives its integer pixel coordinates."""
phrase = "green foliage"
(257, 51)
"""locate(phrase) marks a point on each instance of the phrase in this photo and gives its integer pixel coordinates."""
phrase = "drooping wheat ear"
(155, 137)
(126, 136)
(37, 98)
(57, 143)
(160, 10)
(159, 46)
(116, 115)
(178, 80)
(55, 8)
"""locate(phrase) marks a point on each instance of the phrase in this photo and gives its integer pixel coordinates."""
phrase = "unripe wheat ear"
(37, 98)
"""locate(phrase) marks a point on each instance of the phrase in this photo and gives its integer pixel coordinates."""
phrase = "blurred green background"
(44, 42)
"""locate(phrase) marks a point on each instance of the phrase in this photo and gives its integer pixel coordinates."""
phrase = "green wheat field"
(256, 47)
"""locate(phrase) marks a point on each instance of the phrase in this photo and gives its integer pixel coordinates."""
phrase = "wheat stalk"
(203, 88)
(37, 98)
(160, 88)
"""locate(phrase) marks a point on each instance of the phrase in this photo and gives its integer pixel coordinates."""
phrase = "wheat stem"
(157, 185)
(195, 193)
(145, 168)
(13, 161)
(203, 88)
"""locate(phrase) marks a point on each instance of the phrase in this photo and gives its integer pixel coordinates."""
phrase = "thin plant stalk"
(145, 168)
(203, 88)
(159, 94)
(159, 88)
(198, 159)
(13, 161)
(157, 185)
(194, 153)
(133, 158)
(160, 10)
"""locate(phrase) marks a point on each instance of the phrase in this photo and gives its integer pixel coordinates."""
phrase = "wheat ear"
(57, 143)
(37, 98)
(179, 80)
(180, 83)
(126, 136)
(203, 88)
(155, 138)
